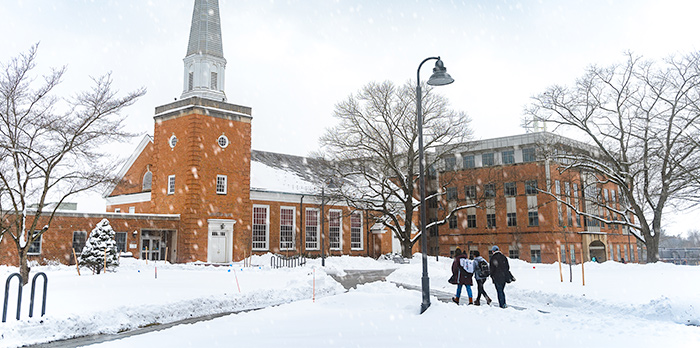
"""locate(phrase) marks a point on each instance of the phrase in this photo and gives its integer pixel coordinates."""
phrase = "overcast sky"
(292, 61)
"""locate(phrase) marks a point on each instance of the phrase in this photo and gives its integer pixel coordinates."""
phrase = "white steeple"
(204, 63)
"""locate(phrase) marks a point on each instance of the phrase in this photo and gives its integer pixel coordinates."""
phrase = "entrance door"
(218, 245)
(597, 249)
(152, 243)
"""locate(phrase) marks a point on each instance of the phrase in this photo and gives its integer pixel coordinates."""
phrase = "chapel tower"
(201, 147)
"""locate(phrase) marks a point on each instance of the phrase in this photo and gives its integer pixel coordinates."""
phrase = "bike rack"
(278, 261)
(7, 294)
(19, 295)
(43, 300)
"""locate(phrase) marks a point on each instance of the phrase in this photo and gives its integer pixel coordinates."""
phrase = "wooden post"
(105, 263)
(583, 277)
(561, 276)
(166, 254)
(77, 264)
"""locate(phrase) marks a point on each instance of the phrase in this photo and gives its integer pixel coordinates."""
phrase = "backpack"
(483, 269)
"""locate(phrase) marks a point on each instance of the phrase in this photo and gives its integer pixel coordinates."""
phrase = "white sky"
(292, 61)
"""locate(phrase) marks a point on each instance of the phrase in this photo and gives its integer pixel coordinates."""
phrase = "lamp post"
(323, 208)
(440, 77)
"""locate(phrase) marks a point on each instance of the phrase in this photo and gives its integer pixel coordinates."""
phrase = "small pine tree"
(101, 239)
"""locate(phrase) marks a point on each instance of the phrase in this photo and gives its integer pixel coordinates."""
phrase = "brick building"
(510, 185)
(196, 191)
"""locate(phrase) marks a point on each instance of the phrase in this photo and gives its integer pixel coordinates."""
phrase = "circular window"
(172, 141)
(223, 141)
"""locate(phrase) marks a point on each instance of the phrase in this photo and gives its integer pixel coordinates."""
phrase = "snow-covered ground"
(620, 305)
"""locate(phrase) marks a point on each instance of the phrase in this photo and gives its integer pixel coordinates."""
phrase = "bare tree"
(50, 146)
(642, 118)
(374, 150)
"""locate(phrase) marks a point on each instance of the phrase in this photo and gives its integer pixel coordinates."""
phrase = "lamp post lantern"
(440, 77)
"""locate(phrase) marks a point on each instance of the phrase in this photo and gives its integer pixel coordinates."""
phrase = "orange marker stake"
(238, 285)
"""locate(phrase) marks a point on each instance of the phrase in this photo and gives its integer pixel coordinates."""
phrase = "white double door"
(220, 249)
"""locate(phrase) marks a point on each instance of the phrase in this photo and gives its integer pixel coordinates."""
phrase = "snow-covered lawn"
(620, 305)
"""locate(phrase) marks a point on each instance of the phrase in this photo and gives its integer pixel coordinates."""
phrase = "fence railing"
(278, 261)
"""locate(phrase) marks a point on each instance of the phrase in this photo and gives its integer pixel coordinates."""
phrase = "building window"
(118, 210)
(171, 184)
(214, 81)
(468, 161)
(487, 159)
(531, 187)
(450, 163)
(510, 189)
(490, 190)
(470, 191)
(120, 238)
(356, 231)
(311, 224)
(452, 221)
(535, 254)
(79, 238)
(514, 253)
(190, 81)
(335, 230)
(529, 154)
(287, 228)
(512, 221)
(471, 221)
(491, 220)
(260, 227)
(451, 193)
(147, 181)
(222, 141)
(172, 141)
(35, 247)
(221, 184)
(533, 218)
(433, 228)
(132, 210)
(508, 157)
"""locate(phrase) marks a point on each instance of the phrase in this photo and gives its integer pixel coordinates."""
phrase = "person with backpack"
(460, 275)
(500, 274)
(481, 273)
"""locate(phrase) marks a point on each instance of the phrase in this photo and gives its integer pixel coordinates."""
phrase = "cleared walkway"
(350, 280)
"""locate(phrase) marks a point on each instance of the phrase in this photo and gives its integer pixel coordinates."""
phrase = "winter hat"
(494, 248)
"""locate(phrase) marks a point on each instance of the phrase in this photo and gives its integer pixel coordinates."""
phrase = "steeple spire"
(204, 62)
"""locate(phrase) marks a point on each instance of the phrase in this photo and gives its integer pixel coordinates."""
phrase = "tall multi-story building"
(515, 195)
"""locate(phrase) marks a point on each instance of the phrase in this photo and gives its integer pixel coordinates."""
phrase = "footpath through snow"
(650, 302)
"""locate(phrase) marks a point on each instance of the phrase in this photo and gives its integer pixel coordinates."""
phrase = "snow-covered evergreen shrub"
(101, 239)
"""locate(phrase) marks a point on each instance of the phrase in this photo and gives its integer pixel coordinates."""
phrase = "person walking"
(460, 276)
(500, 274)
(481, 273)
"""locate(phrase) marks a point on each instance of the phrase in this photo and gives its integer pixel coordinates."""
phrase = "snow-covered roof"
(276, 172)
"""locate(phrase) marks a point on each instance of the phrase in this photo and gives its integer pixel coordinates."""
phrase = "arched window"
(147, 179)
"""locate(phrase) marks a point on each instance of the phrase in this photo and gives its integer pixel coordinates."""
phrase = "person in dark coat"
(500, 274)
(460, 276)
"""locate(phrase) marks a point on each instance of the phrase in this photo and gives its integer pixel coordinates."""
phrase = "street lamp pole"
(439, 78)
(323, 209)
